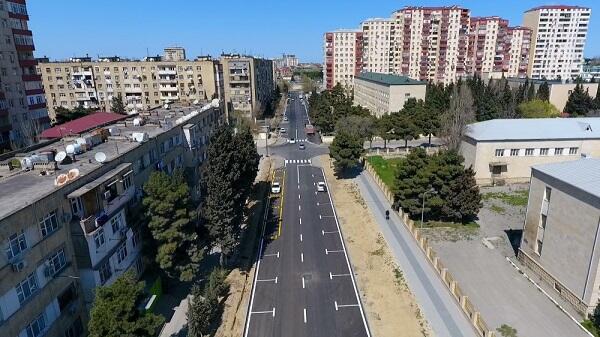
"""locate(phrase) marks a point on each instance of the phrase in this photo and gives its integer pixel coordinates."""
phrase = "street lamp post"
(432, 191)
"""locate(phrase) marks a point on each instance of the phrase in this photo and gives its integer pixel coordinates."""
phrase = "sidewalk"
(439, 307)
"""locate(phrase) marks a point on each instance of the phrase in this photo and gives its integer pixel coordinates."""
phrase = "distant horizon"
(266, 29)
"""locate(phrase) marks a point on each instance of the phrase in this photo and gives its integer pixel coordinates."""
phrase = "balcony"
(169, 89)
(32, 78)
(24, 47)
(545, 206)
(167, 80)
(37, 106)
(167, 72)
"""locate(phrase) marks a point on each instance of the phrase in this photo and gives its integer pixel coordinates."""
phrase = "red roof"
(83, 124)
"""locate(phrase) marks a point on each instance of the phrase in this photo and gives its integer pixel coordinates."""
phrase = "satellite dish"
(60, 156)
(70, 149)
(100, 157)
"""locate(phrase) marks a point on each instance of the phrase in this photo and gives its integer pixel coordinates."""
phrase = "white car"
(282, 130)
(275, 187)
(292, 141)
(285, 118)
(321, 186)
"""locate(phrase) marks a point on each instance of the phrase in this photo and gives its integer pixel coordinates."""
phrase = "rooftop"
(388, 79)
(535, 129)
(583, 174)
(83, 124)
(556, 7)
(21, 188)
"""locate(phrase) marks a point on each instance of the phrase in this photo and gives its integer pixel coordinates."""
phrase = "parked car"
(292, 141)
(282, 130)
(275, 187)
(285, 118)
(321, 186)
(301, 146)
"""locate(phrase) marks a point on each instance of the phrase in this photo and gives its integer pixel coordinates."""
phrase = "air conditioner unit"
(106, 195)
(18, 266)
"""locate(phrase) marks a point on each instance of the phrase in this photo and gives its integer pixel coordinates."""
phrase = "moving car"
(275, 187)
(321, 186)
(285, 118)
(282, 130)
(301, 146)
(292, 141)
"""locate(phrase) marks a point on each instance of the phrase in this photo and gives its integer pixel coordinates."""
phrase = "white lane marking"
(298, 196)
(302, 257)
(298, 186)
(331, 275)
(272, 312)
(303, 285)
(333, 251)
(317, 203)
(300, 221)
(299, 207)
(269, 280)
(298, 174)
(274, 254)
(362, 313)
(324, 232)
(300, 237)
(304, 315)
(337, 306)
(320, 217)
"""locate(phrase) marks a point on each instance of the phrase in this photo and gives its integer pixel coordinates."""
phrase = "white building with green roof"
(386, 93)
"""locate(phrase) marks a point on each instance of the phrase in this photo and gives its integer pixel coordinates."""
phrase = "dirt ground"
(240, 280)
(391, 308)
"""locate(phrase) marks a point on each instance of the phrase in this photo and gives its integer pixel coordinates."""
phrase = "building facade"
(560, 234)
(504, 150)
(558, 39)
(343, 57)
(286, 61)
(384, 93)
(377, 39)
(68, 227)
(174, 54)
(23, 112)
(142, 84)
(249, 84)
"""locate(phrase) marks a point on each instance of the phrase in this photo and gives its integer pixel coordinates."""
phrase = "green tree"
(544, 92)
(217, 284)
(363, 126)
(537, 108)
(346, 150)
(117, 105)
(579, 102)
(173, 225)
(202, 311)
(464, 200)
(64, 115)
(115, 311)
(507, 331)
(384, 127)
(531, 92)
(404, 127)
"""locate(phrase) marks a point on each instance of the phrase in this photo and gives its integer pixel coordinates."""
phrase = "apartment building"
(386, 93)
(504, 150)
(590, 72)
(23, 111)
(174, 54)
(558, 40)
(68, 222)
(286, 61)
(142, 84)
(249, 84)
(377, 39)
(561, 229)
(343, 57)
(496, 48)
(431, 43)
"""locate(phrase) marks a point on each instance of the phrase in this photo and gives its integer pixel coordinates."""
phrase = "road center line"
(303, 285)
(299, 207)
(304, 315)
(300, 221)
(300, 237)
(302, 257)
(298, 196)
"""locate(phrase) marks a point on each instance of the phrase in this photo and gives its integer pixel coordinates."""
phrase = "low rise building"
(504, 150)
(385, 93)
(560, 235)
(68, 211)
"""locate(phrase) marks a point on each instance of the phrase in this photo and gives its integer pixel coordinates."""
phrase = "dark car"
(301, 146)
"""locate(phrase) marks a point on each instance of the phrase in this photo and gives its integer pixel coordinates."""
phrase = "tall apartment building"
(343, 57)
(249, 84)
(431, 42)
(558, 40)
(23, 111)
(496, 48)
(286, 61)
(142, 84)
(174, 54)
(69, 226)
(377, 39)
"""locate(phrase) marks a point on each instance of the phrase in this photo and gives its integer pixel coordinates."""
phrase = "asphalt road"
(304, 284)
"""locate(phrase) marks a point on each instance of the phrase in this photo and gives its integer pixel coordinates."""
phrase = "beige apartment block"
(174, 54)
(69, 226)
(142, 84)
(558, 40)
(377, 39)
(249, 84)
(343, 57)
(560, 234)
(504, 150)
(384, 93)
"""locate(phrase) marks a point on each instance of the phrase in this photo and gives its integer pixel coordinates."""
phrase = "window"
(17, 244)
(105, 272)
(529, 152)
(48, 224)
(514, 152)
(538, 248)
(543, 220)
(76, 206)
(122, 252)
(127, 181)
(544, 151)
(135, 239)
(499, 152)
(547, 193)
(57, 262)
(99, 238)
(573, 150)
(27, 288)
(115, 223)
(37, 327)
(558, 151)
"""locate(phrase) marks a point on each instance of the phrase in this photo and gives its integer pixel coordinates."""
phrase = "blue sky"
(64, 28)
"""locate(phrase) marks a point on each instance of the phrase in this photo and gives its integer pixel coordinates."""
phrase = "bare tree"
(460, 113)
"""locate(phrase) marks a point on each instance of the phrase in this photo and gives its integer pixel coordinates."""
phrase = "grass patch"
(400, 282)
(444, 224)
(385, 168)
(517, 198)
(590, 327)
(498, 209)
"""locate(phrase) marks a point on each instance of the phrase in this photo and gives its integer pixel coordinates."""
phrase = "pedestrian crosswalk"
(303, 140)
(297, 161)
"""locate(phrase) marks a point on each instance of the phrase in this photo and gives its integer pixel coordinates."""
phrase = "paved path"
(437, 304)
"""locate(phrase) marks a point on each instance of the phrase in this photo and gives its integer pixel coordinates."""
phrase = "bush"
(538, 108)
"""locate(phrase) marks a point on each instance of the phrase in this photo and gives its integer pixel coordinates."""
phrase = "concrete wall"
(518, 168)
(559, 93)
(383, 99)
